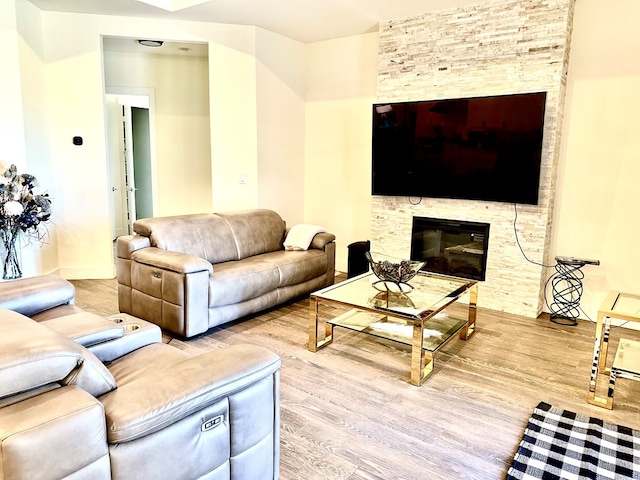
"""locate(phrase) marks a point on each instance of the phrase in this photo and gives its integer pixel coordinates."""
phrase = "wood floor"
(349, 413)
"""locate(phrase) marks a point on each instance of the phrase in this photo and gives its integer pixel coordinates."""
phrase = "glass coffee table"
(425, 317)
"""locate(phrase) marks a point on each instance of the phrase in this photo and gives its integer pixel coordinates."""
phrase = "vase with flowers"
(21, 214)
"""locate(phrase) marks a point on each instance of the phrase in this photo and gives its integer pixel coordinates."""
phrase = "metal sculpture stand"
(567, 289)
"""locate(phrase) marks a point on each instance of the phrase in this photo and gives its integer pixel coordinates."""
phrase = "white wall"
(341, 87)
(182, 172)
(598, 193)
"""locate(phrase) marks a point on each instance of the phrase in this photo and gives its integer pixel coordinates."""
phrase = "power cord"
(515, 231)
(566, 283)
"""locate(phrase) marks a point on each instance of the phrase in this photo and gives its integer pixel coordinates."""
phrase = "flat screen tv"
(482, 148)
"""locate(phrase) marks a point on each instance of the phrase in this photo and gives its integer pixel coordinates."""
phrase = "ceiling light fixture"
(151, 43)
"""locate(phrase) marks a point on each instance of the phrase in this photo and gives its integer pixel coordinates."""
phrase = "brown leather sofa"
(116, 402)
(190, 273)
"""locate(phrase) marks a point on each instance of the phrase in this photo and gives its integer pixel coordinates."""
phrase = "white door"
(117, 187)
(127, 167)
(121, 162)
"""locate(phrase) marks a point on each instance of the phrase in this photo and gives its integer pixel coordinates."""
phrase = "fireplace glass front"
(451, 247)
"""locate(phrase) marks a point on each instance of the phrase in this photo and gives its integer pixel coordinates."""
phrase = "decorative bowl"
(394, 270)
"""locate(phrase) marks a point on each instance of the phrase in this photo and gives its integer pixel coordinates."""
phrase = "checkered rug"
(558, 444)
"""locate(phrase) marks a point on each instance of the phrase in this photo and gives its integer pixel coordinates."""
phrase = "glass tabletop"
(627, 304)
(427, 293)
(628, 356)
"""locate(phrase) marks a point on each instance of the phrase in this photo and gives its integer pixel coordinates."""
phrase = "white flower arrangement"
(22, 212)
(20, 208)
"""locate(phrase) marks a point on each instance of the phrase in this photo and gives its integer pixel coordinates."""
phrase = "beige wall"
(598, 194)
(280, 86)
(73, 104)
(341, 87)
(36, 256)
(12, 146)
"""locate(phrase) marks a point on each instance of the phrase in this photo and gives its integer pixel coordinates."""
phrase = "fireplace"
(451, 247)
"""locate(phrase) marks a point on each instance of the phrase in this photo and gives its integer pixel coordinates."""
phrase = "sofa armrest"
(29, 296)
(157, 400)
(320, 240)
(174, 261)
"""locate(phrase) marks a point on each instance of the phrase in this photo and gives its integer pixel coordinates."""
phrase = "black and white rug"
(559, 444)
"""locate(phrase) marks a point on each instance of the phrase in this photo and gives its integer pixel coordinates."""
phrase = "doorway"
(174, 80)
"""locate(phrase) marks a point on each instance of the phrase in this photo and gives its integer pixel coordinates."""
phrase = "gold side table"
(621, 306)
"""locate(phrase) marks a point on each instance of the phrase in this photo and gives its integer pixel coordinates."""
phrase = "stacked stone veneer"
(492, 48)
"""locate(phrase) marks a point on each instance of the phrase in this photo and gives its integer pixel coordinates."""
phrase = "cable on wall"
(515, 231)
(566, 284)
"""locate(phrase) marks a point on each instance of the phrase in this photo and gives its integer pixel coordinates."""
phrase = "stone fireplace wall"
(492, 48)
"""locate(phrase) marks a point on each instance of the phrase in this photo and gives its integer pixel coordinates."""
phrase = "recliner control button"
(212, 423)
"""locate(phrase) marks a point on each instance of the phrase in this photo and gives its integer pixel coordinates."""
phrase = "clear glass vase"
(11, 268)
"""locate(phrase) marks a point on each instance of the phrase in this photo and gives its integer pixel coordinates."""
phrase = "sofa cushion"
(297, 266)
(255, 231)
(206, 235)
(234, 282)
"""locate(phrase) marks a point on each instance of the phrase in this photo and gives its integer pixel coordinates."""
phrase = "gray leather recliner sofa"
(116, 402)
(190, 273)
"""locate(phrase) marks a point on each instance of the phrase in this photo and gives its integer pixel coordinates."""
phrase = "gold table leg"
(599, 362)
(316, 343)
(470, 328)
(421, 360)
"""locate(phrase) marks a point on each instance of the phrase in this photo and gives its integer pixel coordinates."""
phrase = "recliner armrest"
(174, 261)
(29, 296)
(157, 400)
(54, 435)
(320, 240)
(127, 244)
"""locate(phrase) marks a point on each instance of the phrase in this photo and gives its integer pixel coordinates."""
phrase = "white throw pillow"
(300, 236)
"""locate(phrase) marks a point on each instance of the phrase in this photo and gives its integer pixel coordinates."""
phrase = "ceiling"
(303, 20)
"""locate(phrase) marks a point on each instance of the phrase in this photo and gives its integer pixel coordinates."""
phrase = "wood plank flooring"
(349, 413)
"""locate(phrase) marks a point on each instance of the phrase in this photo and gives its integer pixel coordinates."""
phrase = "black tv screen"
(483, 148)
